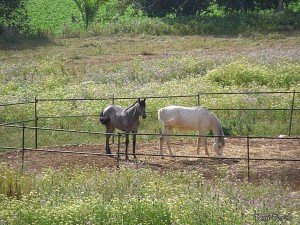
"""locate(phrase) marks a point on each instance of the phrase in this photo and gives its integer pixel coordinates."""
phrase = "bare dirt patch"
(288, 172)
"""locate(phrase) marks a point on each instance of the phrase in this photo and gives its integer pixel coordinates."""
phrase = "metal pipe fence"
(113, 98)
(248, 159)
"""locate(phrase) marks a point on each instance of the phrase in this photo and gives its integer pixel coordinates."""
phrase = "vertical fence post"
(113, 99)
(36, 122)
(248, 159)
(118, 151)
(23, 146)
(113, 102)
(198, 99)
(292, 111)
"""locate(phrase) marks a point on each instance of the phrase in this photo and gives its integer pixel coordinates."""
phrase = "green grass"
(151, 66)
(130, 196)
(134, 67)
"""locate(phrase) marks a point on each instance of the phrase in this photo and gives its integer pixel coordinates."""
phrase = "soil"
(287, 172)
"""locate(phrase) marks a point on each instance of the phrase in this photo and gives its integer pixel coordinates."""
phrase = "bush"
(247, 74)
(13, 19)
(52, 17)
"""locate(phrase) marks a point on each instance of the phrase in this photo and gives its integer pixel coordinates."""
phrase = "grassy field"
(73, 60)
(136, 66)
(140, 196)
(139, 66)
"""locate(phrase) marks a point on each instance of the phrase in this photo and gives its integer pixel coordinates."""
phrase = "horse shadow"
(210, 161)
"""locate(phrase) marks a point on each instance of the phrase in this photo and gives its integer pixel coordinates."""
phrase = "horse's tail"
(165, 117)
(103, 119)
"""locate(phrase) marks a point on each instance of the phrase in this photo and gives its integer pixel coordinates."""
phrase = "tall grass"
(130, 196)
(169, 76)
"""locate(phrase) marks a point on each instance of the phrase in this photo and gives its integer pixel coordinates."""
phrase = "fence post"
(113, 102)
(23, 146)
(198, 99)
(292, 111)
(113, 99)
(36, 122)
(118, 151)
(248, 159)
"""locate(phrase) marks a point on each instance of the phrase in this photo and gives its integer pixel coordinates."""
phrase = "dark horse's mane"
(131, 105)
(142, 103)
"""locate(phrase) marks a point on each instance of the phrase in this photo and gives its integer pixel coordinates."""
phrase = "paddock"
(244, 157)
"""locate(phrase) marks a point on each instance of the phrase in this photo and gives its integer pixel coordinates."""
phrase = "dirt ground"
(288, 172)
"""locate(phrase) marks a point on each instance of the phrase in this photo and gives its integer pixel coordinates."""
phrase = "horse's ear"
(144, 99)
(139, 100)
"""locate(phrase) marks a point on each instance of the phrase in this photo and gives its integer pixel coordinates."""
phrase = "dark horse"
(127, 120)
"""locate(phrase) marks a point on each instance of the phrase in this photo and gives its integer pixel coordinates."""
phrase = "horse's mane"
(218, 124)
(131, 105)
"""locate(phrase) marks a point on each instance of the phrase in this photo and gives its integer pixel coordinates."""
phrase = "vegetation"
(255, 48)
(88, 9)
(130, 196)
(94, 17)
(149, 66)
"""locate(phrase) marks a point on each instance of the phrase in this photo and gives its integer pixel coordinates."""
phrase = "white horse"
(186, 118)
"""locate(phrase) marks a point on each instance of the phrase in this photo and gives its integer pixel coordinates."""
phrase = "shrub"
(53, 16)
(247, 74)
(13, 19)
(239, 73)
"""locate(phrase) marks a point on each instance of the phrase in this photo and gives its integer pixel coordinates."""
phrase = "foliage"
(215, 21)
(294, 6)
(53, 17)
(157, 8)
(14, 184)
(245, 74)
(13, 19)
(67, 18)
(142, 196)
(112, 11)
(88, 9)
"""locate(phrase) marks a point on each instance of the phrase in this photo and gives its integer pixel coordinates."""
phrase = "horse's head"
(219, 145)
(142, 107)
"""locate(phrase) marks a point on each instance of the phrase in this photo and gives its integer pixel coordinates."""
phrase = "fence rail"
(118, 154)
(112, 97)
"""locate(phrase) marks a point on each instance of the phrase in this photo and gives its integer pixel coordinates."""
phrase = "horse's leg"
(199, 144)
(167, 130)
(109, 129)
(134, 143)
(205, 145)
(126, 145)
(107, 148)
(161, 144)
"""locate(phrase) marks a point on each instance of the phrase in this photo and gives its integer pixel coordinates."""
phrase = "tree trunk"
(279, 5)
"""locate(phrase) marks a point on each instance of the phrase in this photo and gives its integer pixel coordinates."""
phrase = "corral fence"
(20, 124)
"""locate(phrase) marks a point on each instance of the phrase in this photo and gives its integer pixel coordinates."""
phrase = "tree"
(12, 16)
(279, 5)
(88, 10)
